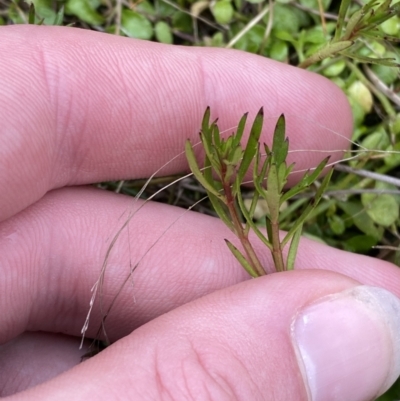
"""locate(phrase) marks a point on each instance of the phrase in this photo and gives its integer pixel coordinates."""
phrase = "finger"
(34, 358)
(291, 336)
(53, 252)
(99, 107)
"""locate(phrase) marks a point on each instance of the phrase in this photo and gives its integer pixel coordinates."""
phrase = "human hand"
(79, 107)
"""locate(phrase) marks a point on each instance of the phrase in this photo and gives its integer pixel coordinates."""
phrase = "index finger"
(79, 107)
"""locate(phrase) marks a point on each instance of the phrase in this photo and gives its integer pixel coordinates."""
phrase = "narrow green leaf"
(306, 181)
(390, 62)
(381, 36)
(323, 187)
(309, 208)
(279, 145)
(272, 194)
(299, 222)
(191, 158)
(344, 5)
(31, 18)
(210, 152)
(236, 155)
(383, 7)
(241, 259)
(58, 20)
(205, 124)
(239, 132)
(216, 136)
(252, 144)
(378, 18)
(351, 25)
(294, 246)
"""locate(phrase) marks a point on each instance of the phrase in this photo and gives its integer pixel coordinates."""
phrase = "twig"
(368, 174)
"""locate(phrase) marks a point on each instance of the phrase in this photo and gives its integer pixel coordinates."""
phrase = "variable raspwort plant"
(226, 165)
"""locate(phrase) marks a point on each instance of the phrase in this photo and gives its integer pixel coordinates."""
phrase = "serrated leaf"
(241, 259)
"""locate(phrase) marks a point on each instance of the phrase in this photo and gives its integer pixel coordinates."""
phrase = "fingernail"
(348, 344)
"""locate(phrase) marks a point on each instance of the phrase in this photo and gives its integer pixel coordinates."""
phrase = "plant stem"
(276, 247)
(240, 231)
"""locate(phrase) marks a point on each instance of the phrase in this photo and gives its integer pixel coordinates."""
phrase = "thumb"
(302, 335)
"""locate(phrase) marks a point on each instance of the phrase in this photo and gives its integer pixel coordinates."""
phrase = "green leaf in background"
(387, 74)
(145, 8)
(362, 95)
(360, 243)
(163, 9)
(85, 10)
(163, 32)
(378, 140)
(392, 26)
(279, 50)
(222, 11)
(182, 22)
(286, 19)
(337, 224)
(361, 219)
(392, 158)
(136, 25)
(44, 9)
(314, 4)
(383, 209)
(333, 69)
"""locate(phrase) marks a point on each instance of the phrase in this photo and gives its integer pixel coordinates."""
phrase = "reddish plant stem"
(240, 232)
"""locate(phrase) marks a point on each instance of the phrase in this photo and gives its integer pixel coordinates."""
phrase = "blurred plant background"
(360, 209)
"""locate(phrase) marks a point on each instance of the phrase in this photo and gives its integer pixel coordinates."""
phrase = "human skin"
(80, 107)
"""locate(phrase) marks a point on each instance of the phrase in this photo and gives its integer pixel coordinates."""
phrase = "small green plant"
(226, 164)
(349, 36)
